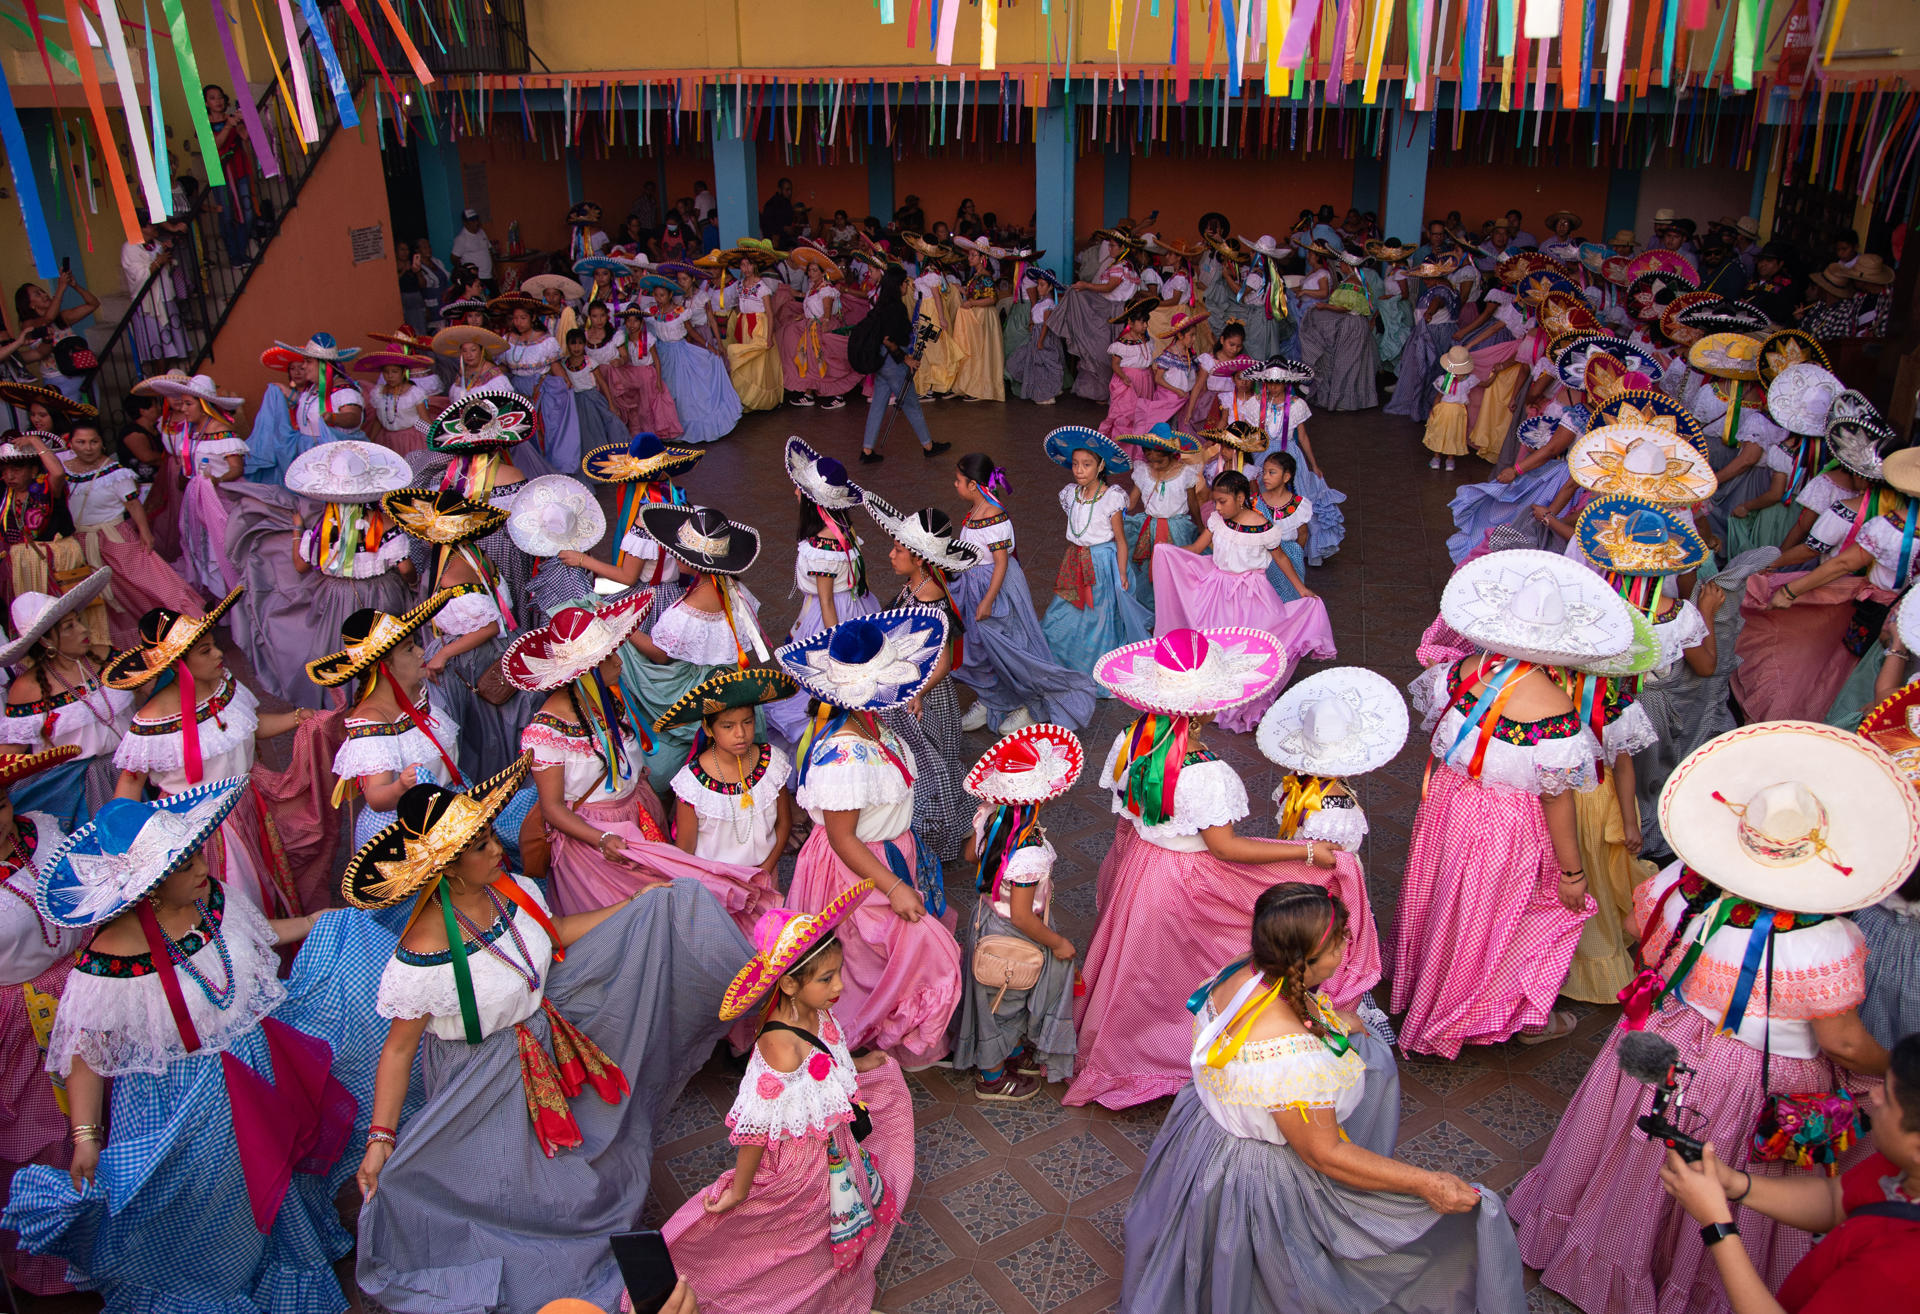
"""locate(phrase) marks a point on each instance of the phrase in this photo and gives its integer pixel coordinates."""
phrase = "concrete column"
(736, 188)
(1366, 191)
(880, 200)
(1404, 195)
(1623, 202)
(443, 190)
(1117, 179)
(1053, 189)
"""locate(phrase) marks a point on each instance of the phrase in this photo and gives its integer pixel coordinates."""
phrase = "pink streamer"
(256, 133)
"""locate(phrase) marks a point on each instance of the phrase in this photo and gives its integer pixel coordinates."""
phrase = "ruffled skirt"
(1037, 370)
(642, 400)
(559, 440)
(584, 879)
(1340, 348)
(982, 374)
(141, 580)
(751, 362)
(1480, 507)
(1041, 1014)
(1081, 636)
(1135, 403)
(1891, 1009)
(1143, 535)
(33, 1127)
(701, 388)
(1080, 322)
(1008, 663)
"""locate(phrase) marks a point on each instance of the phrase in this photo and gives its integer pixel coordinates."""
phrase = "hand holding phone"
(647, 1269)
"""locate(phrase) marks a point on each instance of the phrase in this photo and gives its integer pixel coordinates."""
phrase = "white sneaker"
(1018, 719)
(1449, 463)
(975, 718)
(1434, 464)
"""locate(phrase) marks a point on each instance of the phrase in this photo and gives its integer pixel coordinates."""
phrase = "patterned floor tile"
(914, 1248)
(1515, 1116)
(942, 1147)
(1445, 1148)
(1027, 1119)
(1079, 1166)
(922, 1094)
(1079, 902)
(966, 1296)
(1142, 1123)
(697, 1168)
(992, 1207)
(1564, 1071)
(1052, 1271)
(1542, 1301)
(692, 1112)
(1441, 1077)
(1112, 1224)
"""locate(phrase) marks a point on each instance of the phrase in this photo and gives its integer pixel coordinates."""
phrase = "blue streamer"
(1906, 544)
(1479, 709)
(1233, 46)
(25, 188)
(1757, 940)
(162, 166)
(330, 60)
(1586, 53)
(1472, 53)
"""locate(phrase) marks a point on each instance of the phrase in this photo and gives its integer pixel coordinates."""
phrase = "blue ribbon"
(1757, 941)
(1472, 52)
(1233, 47)
(933, 892)
(1906, 544)
(1198, 999)
(330, 60)
(25, 189)
(1586, 53)
(1479, 709)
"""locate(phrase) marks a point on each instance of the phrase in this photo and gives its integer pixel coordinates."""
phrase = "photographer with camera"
(1869, 1216)
(1746, 1023)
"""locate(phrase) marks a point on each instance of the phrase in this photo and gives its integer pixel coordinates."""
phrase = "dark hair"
(804, 970)
(1903, 1071)
(813, 520)
(576, 335)
(1232, 481)
(213, 86)
(135, 402)
(1286, 462)
(980, 468)
(90, 423)
(23, 303)
(1233, 328)
(1290, 925)
(892, 282)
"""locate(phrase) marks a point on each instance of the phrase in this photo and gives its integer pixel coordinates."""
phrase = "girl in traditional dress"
(513, 1014)
(400, 399)
(857, 781)
(932, 303)
(748, 302)
(483, 449)
(1178, 885)
(1510, 751)
(1336, 336)
(592, 404)
(33, 506)
(1391, 298)
(103, 496)
(1213, 393)
(643, 470)
(1090, 309)
(1093, 610)
(1230, 586)
(814, 358)
(693, 369)
(1013, 1035)
(629, 364)
(1857, 439)
(1138, 394)
(1164, 504)
(1431, 338)
(976, 325)
(1757, 983)
(532, 362)
(1799, 400)
(1446, 432)
(1283, 414)
(1273, 1185)
(58, 701)
(733, 801)
(555, 516)
(824, 1140)
(475, 348)
(1037, 368)
(192, 1073)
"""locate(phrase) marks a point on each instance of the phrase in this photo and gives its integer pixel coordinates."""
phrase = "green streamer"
(54, 48)
(190, 78)
(1743, 45)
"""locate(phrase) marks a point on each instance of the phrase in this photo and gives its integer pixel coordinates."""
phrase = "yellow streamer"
(1228, 1044)
(990, 31)
(1377, 47)
(1279, 80)
(1506, 84)
(1833, 39)
(1113, 23)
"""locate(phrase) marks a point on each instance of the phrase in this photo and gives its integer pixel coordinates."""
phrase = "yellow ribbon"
(1228, 1044)
(1304, 796)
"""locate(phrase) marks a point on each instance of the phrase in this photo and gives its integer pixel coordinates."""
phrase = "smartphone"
(66, 264)
(646, 1268)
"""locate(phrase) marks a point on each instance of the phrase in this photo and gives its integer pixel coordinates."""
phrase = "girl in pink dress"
(628, 363)
(1137, 398)
(856, 780)
(103, 497)
(1178, 886)
(824, 1140)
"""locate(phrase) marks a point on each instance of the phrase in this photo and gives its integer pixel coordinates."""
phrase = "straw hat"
(369, 636)
(1800, 399)
(1392, 250)
(1345, 721)
(783, 939)
(508, 302)
(1795, 816)
(1433, 269)
(493, 418)
(441, 516)
(539, 285)
(1624, 237)
(1870, 269)
(1537, 607)
(432, 827)
(573, 643)
(1140, 303)
(200, 387)
(927, 533)
(1790, 346)
(1628, 536)
(1554, 218)
(1193, 672)
(23, 393)
(584, 213)
(165, 637)
(1726, 356)
(347, 471)
(644, 460)
(1032, 765)
(1457, 360)
(870, 663)
(747, 686)
(1063, 442)
(1641, 461)
(1241, 435)
(405, 339)
(1182, 321)
(130, 847)
(1835, 278)
(450, 339)
(1900, 471)
(36, 615)
(822, 478)
(553, 514)
(701, 538)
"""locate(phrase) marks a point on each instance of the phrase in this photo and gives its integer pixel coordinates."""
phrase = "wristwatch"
(1712, 1234)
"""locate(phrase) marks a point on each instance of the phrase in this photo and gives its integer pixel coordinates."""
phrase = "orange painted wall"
(1089, 192)
(1258, 196)
(308, 282)
(1487, 191)
(1001, 184)
(823, 187)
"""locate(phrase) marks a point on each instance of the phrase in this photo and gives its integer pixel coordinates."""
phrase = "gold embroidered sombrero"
(165, 637)
(1726, 356)
(442, 516)
(782, 940)
(1627, 536)
(434, 826)
(1784, 348)
(370, 635)
(747, 686)
(643, 460)
(16, 767)
(1895, 727)
(1641, 461)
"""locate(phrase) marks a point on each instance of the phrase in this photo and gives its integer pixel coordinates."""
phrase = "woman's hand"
(1065, 951)
(868, 1061)
(568, 557)
(736, 1193)
(983, 611)
(1740, 512)
(435, 666)
(378, 1152)
(409, 778)
(1540, 514)
(1780, 599)
(86, 1161)
(1631, 837)
(1507, 474)
(1447, 1194)
(913, 706)
(1573, 894)
(906, 902)
(1712, 597)
(146, 537)
(1306, 592)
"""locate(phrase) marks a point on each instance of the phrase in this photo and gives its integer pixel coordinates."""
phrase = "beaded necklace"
(222, 997)
(529, 973)
(1074, 526)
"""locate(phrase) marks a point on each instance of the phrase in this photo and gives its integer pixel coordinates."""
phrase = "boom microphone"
(1654, 1061)
(1647, 1058)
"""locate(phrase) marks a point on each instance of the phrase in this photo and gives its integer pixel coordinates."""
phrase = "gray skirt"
(1042, 1014)
(1080, 323)
(470, 1215)
(489, 733)
(942, 811)
(1222, 1224)
(1341, 348)
(1038, 372)
(1891, 1009)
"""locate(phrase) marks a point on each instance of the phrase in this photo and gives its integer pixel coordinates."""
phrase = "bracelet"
(382, 1138)
(1745, 1192)
(1309, 853)
(1572, 877)
(1788, 590)
(377, 1128)
(87, 1131)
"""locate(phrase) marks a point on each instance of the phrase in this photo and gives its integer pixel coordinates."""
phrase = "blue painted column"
(443, 191)
(1623, 201)
(576, 187)
(56, 202)
(736, 188)
(880, 181)
(1117, 194)
(1053, 188)
(1404, 199)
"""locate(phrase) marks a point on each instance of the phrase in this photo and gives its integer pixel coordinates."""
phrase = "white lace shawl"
(74, 723)
(374, 755)
(1206, 794)
(1338, 820)
(704, 638)
(500, 994)
(808, 1102)
(1685, 629)
(233, 728)
(121, 1025)
(366, 565)
(467, 613)
(1629, 732)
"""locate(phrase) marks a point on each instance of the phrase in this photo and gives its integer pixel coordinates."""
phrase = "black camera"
(1654, 1061)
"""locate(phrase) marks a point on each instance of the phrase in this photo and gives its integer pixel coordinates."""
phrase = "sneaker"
(935, 450)
(1449, 463)
(1012, 1087)
(1434, 464)
(1018, 719)
(833, 403)
(871, 458)
(800, 399)
(975, 718)
(1047, 401)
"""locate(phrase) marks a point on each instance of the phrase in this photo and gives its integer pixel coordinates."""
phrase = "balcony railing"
(489, 38)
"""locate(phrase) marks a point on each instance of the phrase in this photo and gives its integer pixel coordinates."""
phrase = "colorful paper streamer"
(25, 189)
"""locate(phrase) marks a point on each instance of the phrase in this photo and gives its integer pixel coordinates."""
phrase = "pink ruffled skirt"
(583, 879)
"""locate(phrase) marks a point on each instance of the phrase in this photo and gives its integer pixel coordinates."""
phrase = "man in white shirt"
(472, 246)
(703, 200)
(156, 325)
(1517, 233)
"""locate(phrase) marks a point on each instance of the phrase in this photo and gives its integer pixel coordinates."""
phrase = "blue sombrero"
(1626, 536)
(117, 859)
(1538, 284)
(871, 663)
(1644, 406)
(1063, 442)
(645, 459)
(675, 268)
(1570, 362)
(655, 283)
(594, 264)
(1537, 431)
(1438, 292)
(1165, 438)
(822, 478)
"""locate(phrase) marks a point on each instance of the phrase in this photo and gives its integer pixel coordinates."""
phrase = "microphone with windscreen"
(1654, 1061)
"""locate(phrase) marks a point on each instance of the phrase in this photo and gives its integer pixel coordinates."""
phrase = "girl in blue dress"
(1092, 611)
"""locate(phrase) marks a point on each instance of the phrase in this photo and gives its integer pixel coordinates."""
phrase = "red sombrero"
(18, 766)
(1031, 765)
(572, 643)
(1895, 726)
(783, 940)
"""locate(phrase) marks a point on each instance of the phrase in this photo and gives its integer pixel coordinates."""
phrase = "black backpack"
(866, 346)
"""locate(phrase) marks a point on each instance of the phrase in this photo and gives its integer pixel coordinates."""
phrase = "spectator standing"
(472, 246)
(647, 209)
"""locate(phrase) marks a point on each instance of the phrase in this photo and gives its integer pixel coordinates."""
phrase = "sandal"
(1012, 1087)
(1560, 1025)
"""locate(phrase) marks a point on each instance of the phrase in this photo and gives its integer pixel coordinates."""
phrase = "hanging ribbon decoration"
(420, 69)
(184, 55)
(256, 132)
(949, 23)
(1279, 79)
(1745, 43)
(330, 62)
(1833, 29)
(1572, 21)
(302, 89)
(25, 189)
(1617, 14)
(1473, 50)
(162, 166)
(990, 32)
(1377, 46)
(137, 143)
(359, 22)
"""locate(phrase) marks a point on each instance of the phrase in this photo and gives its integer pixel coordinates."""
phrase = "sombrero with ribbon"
(1650, 293)
(1138, 305)
(1800, 399)
(14, 450)
(555, 513)
(1627, 536)
(1392, 250)
(1858, 438)
(15, 767)
(320, 347)
(822, 478)
(1658, 261)
(347, 471)
(1535, 606)
(493, 418)
(197, 387)
(1893, 726)
(1234, 368)
(1282, 371)
(870, 663)
(744, 686)
(1030, 766)
(1165, 438)
(1726, 356)
(24, 393)
(573, 643)
(644, 460)
(594, 264)
(108, 866)
(1193, 672)
(508, 302)
(369, 635)
(757, 249)
(807, 256)
(442, 516)
(1433, 268)
(783, 939)
(1641, 461)
(450, 339)
(405, 339)
(927, 533)
(375, 361)
(36, 615)
(1571, 353)
(701, 538)
(1566, 312)
(1791, 346)
(166, 636)
(1653, 409)
(1525, 264)
(1063, 442)
(1614, 270)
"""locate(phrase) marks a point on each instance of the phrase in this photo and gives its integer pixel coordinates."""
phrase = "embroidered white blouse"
(422, 985)
(227, 718)
(1244, 549)
(1339, 820)
(99, 497)
(1165, 497)
(1090, 524)
(849, 773)
(1685, 629)
(374, 748)
(1207, 794)
(306, 410)
(403, 410)
(391, 551)
(1282, 1072)
(1546, 766)
(583, 778)
(703, 637)
(994, 533)
(94, 719)
(737, 820)
(808, 1103)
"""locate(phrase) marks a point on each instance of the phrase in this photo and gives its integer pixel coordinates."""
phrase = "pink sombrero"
(572, 643)
(1193, 672)
(1031, 765)
(782, 940)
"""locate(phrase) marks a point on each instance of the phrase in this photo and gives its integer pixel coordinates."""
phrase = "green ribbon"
(1722, 910)
(1744, 45)
(190, 78)
(1504, 38)
(462, 973)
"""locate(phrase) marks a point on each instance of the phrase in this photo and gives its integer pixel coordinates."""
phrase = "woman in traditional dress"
(643, 471)
(1392, 299)
(1336, 335)
(400, 400)
(58, 701)
(1091, 309)
(1432, 334)
(483, 448)
(976, 325)
(692, 367)
(1778, 828)
(1037, 367)
(824, 1155)
(1166, 502)
(532, 362)
(813, 356)
(1093, 610)
(1799, 400)
(476, 349)
(1282, 414)
(203, 439)
(512, 1014)
(1178, 885)
(1495, 893)
(1272, 1186)
(103, 499)
(592, 398)
(1148, 386)
(857, 781)
(629, 362)
(748, 304)
(317, 404)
